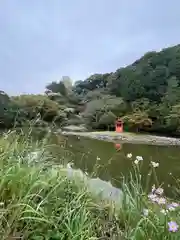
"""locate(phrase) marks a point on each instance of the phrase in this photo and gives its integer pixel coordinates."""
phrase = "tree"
(145, 93)
(34, 105)
(141, 104)
(10, 113)
(107, 120)
(172, 95)
(150, 85)
(96, 108)
(93, 95)
(172, 120)
(57, 88)
(137, 121)
(64, 86)
(95, 81)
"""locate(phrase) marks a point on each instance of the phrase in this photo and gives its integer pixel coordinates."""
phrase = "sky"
(43, 40)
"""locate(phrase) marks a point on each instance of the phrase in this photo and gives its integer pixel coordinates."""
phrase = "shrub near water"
(38, 201)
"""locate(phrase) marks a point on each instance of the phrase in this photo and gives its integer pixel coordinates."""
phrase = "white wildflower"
(129, 155)
(161, 201)
(153, 188)
(164, 211)
(139, 158)
(136, 161)
(69, 165)
(154, 164)
(145, 212)
(159, 191)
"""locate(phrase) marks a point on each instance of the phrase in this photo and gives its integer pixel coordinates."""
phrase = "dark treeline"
(145, 94)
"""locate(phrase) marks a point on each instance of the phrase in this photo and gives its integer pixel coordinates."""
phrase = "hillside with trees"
(145, 94)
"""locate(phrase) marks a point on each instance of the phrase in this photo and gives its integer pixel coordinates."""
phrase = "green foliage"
(94, 82)
(141, 104)
(107, 120)
(172, 120)
(10, 113)
(75, 120)
(141, 215)
(150, 85)
(93, 95)
(42, 200)
(64, 86)
(21, 110)
(137, 121)
(39, 200)
(98, 107)
(35, 105)
(106, 103)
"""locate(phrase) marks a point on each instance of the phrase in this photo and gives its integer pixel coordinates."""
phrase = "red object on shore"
(119, 126)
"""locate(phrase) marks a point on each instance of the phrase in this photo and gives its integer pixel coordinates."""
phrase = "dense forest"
(145, 94)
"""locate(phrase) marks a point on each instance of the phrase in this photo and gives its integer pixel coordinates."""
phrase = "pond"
(102, 159)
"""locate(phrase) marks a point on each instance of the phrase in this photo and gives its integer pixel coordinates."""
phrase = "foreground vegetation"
(145, 94)
(39, 201)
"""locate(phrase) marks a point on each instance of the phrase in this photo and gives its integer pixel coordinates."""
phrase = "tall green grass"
(39, 201)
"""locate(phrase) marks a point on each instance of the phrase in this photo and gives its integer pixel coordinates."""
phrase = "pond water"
(102, 159)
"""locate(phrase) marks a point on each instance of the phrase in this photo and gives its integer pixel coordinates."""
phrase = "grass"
(39, 201)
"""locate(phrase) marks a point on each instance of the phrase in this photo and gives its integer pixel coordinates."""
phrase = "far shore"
(127, 137)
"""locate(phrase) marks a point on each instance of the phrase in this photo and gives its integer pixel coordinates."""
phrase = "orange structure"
(119, 126)
(118, 146)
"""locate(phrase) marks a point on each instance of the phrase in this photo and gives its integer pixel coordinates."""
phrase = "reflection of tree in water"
(103, 159)
(94, 157)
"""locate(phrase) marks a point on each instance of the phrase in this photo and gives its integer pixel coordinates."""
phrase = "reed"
(39, 201)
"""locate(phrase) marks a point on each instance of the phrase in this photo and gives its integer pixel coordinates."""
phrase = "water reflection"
(118, 146)
(96, 185)
(104, 160)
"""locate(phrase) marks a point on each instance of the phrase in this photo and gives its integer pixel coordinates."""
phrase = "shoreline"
(127, 138)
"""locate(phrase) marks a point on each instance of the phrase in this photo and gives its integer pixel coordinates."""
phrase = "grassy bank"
(39, 201)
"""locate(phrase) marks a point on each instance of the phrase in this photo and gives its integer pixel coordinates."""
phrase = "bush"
(10, 113)
(75, 120)
(137, 121)
(107, 120)
(34, 105)
(95, 109)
